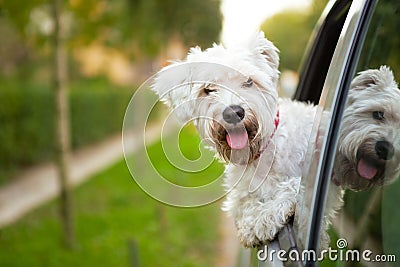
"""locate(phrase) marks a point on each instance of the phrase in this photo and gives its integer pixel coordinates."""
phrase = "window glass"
(365, 228)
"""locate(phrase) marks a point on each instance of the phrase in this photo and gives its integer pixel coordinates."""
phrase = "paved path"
(228, 246)
(39, 184)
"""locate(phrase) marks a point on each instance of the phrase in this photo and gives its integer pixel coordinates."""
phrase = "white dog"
(231, 95)
(369, 151)
(368, 154)
(369, 142)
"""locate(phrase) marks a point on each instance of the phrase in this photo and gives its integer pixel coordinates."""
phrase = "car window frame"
(319, 51)
(310, 91)
(336, 87)
(305, 93)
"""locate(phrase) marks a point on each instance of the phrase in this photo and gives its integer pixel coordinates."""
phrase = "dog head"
(369, 142)
(228, 92)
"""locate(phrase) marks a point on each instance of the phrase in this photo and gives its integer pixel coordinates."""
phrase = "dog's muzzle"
(233, 114)
(236, 134)
(372, 165)
(384, 150)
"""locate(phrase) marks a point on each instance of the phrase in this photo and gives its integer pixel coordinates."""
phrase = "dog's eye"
(378, 115)
(209, 89)
(248, 83)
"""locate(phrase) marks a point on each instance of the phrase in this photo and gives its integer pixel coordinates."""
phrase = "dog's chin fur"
(345, 171)
(346, 175)
(218, 132)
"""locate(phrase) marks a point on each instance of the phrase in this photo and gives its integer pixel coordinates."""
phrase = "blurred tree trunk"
(62, 145)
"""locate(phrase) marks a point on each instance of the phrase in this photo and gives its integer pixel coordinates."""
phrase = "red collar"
(276, 124)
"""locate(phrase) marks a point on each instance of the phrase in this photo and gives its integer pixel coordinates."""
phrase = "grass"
(188, 157)
(112, 217)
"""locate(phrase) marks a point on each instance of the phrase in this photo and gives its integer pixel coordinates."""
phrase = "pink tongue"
(237, 140)
(365, 170)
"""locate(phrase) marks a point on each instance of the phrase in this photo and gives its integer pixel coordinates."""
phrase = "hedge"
(27, 121)
(96, 115)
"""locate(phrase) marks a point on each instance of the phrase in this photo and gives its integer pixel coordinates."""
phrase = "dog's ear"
(264, 50)
(371, 81)
(265, 55)
(174, 88)
(378, 78)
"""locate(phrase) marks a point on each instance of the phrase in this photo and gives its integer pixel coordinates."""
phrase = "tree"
(154, 23)
(137, 28)
(62, 124)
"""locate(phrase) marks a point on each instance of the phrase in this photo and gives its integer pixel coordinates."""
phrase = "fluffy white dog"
(369, 151)
(230, 93)
(368, 154)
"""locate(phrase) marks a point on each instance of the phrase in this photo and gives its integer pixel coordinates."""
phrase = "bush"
(27, 120)
(26, 123)
(95, 115)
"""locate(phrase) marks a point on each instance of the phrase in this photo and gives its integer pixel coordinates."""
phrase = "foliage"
(380, 47)
(382, 221)
(95, 114)
(147, 25)
(138, 28)
(290, 31)
(383, 41)
(111, 213)
(197, 22)
(27, 120)
(19, 12)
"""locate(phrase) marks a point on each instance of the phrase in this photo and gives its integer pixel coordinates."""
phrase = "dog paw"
(261, 226)
(248, 238)
(257, 234)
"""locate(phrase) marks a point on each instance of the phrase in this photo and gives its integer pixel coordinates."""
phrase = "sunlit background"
(67, 72)
(241, 18)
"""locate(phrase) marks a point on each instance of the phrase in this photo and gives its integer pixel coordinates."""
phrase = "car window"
(367, 162)
(320, 51)
(318, 207)
(362, 230)
(313, 71)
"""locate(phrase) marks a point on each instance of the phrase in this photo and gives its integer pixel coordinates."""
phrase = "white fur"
(371, 90)
(263, 178)
(260, 215)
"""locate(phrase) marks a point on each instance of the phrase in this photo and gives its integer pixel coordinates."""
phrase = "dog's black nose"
(233, 114)
(384, 150)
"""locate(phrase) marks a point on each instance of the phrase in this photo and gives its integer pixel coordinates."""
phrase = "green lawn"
(111, 215)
